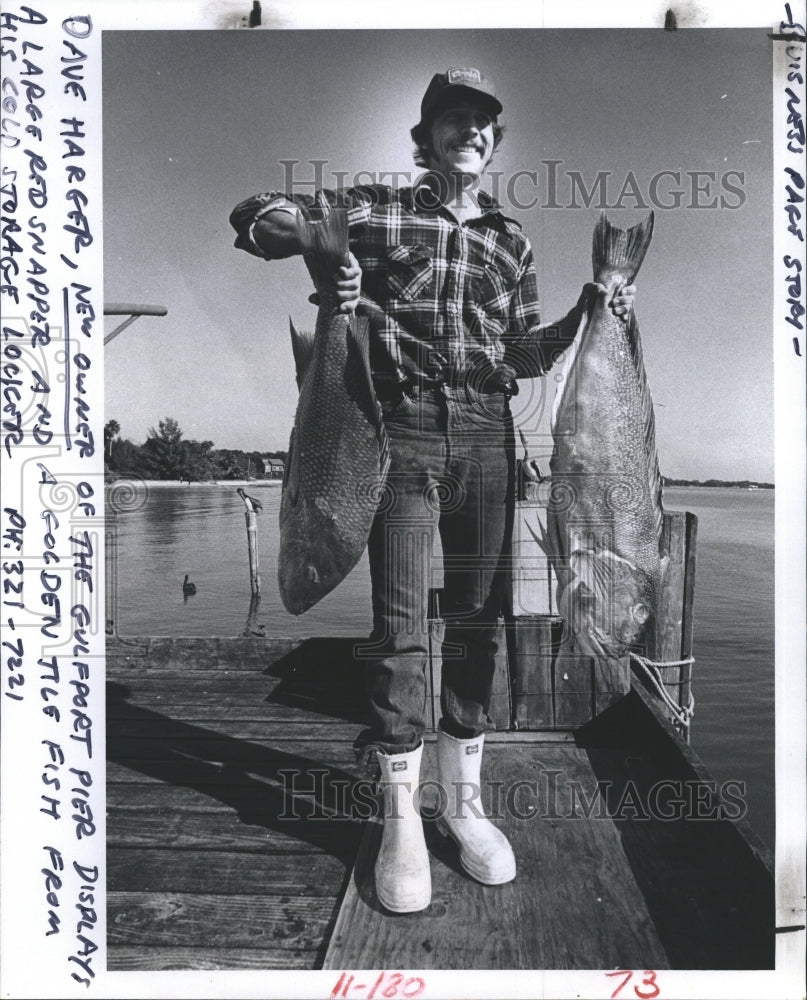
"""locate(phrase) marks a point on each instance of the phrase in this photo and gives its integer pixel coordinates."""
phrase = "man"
(448, 283)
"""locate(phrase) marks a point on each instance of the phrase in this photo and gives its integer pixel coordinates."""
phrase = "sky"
(196, 121)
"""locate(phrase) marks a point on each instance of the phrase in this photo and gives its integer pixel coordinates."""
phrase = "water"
(733, 728)
(165, 532)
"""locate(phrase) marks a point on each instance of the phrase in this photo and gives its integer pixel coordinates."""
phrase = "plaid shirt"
(436, 291)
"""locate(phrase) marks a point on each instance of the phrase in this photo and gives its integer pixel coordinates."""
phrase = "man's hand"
(622, 302)
(348, 285)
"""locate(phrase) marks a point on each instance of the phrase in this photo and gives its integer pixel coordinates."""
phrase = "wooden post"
(672, 637)
(252, 627)
(687, 620)
(500, 709)
(252, 544)
(532, 668)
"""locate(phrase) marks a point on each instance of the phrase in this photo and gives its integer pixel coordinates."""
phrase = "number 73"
(646, 990)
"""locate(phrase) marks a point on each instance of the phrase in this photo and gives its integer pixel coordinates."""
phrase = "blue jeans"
(452, 461)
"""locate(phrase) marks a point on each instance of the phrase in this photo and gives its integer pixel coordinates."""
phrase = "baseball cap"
(461, 83)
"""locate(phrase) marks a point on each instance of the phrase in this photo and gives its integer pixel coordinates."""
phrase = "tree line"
(167, 454)
(737, 483)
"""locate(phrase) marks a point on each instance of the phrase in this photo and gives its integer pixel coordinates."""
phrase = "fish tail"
(302, 346)
(617, 253)
(359, 330)
(617, 256)
(326, 241)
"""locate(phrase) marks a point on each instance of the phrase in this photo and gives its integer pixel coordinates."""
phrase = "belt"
(487, 379)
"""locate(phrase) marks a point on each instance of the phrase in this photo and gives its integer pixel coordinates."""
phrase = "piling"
(252, 544)
(251, 517)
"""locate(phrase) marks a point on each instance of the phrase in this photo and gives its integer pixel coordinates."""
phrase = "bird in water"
(188, 588)
(249, 502)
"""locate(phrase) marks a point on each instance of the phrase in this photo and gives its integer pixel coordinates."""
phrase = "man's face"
(461, 140)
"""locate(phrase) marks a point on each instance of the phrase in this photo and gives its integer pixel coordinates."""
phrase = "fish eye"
(641, 613)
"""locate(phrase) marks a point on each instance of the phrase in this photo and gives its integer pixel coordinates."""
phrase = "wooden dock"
(232, 842)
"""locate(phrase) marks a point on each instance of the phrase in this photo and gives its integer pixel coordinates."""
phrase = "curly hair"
(421, 136)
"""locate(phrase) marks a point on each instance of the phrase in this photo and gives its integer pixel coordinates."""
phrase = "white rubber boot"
(485, 852)
(403, 880)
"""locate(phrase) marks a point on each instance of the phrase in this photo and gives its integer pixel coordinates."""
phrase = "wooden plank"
(162, 869)
(180, 920)
(179, 740)
(199, 772)
(262, 696)
(666, 643)
(545, 919)
(198, 653)
(533, 582)
(206, 773)
(706, 878)
(711, 907)
(532, 664)
(333, 795)
(611, 682)
(586, 686)
(260, 831)
(326, 654)
(192, 683)
(500, 709)
(122, 958)
(295, 809)
(259, 731)
(675, 757)
(672, 638)
(687, 621)
(206, 709)
(574, 689)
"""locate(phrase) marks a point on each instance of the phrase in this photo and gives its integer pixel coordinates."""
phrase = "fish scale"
(605, 522)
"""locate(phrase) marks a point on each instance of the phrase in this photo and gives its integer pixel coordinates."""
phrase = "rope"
(681, 713)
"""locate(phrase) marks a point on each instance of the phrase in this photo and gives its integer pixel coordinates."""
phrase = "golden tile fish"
(605, 516)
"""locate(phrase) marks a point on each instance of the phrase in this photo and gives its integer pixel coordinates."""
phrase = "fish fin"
(617, 254)
(291, 473)
(324, 244)
(584, 568)
(359, 331)
(654, 480)
(541, 538)
(569, 368)
(302, 345)
(596, 570)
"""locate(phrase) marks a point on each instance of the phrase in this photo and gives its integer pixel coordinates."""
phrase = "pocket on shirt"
(409, 271)
(492, 291)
